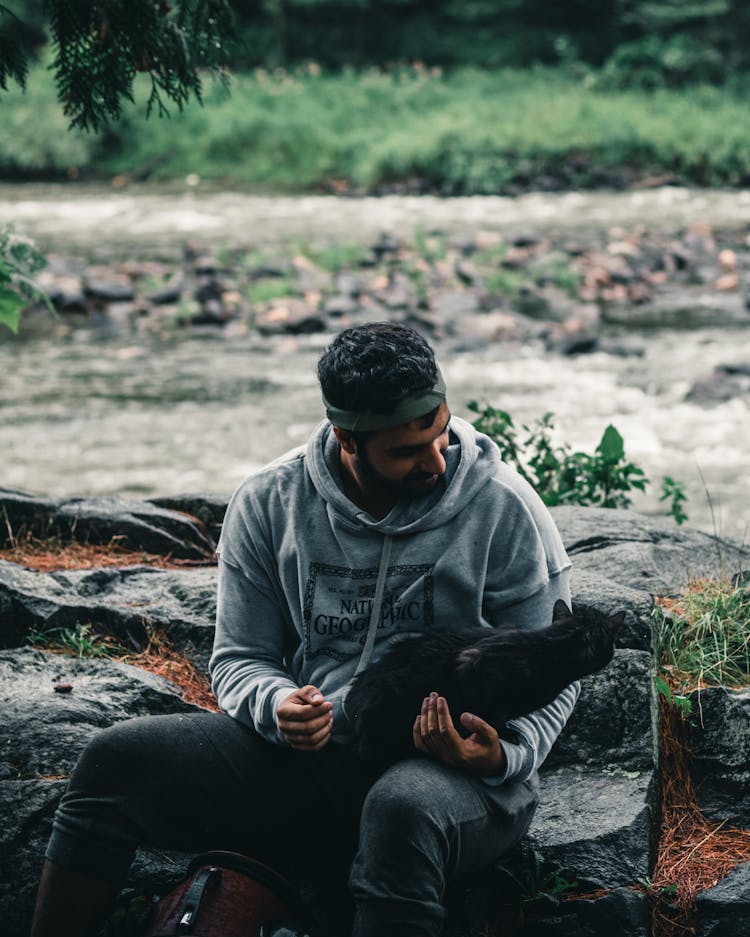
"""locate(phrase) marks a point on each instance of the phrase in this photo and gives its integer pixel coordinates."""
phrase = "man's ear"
(345, 440)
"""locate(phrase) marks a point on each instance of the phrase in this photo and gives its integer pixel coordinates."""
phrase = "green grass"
(471, 131)
(262, 291)
(703, 638)
(334, 257)
(80, 640)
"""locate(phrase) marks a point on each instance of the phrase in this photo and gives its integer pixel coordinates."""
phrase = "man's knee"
(104, 759)
(413, 799)
(129, 751)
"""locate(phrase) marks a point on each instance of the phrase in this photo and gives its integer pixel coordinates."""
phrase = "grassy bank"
(468, 132)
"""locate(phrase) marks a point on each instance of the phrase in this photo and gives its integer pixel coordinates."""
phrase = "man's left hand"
(435, 735)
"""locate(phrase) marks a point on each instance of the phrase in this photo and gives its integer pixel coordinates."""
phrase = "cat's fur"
(497, 675)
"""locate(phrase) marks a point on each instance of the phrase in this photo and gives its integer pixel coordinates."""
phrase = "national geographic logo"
(338, 605)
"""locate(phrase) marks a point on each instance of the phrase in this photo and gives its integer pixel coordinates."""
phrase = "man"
(395, 519)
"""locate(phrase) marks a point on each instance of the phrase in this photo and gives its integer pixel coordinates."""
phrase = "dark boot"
(69, 904)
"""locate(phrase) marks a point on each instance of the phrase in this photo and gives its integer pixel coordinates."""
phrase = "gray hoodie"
(303, 572)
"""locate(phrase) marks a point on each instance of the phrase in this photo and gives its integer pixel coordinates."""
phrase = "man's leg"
(423, 825)
(69, 904)
(188, 782)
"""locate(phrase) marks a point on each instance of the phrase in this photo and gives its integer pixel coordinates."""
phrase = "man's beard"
(411, 487)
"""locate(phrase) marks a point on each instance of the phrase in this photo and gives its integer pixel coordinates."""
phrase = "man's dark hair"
(375, 366)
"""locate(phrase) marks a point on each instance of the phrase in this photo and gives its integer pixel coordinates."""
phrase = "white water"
(83, 416)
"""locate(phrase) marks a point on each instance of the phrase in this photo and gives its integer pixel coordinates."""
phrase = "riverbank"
(408, 130)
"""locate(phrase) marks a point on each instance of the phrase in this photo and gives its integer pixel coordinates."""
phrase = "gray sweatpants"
(204, 781)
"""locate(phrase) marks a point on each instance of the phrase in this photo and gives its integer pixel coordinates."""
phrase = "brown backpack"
(225, 894)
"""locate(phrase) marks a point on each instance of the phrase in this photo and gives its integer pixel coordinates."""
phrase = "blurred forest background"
(445, 96)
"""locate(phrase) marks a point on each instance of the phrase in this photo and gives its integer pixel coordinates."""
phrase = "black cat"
(497, 675)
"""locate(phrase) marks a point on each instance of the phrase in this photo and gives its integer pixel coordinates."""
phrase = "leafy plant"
(682, 703)
(100, 48)
(533, 879)
(432, 247)
(674, 492)
(19, 262)
(560, 475)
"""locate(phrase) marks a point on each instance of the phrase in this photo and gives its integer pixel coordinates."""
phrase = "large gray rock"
(42, 732)
(623, 912)
(125, 601)
(597, 828)
(724, 910)
(720, 761)
(209, 509)
(137, 525)
(525, 909)
(646, 554)
(614, 723)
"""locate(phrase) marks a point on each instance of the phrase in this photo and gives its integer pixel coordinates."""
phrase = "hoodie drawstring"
(377, 604)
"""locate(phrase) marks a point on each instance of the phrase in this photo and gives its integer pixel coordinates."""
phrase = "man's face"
(406, 461)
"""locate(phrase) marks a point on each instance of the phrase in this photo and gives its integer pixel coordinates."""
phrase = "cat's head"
(597, 630)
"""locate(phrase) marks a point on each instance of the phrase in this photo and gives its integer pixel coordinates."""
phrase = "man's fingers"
(303, 705)
(433, 728)
(310, 742)
(305, 727)
(416, 734)
(291, 712)
(483, 730)
(445, 723)
(311, 694)
(434, 724)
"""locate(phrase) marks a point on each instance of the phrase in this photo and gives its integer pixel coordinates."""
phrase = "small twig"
(697, 846)
(12, 539)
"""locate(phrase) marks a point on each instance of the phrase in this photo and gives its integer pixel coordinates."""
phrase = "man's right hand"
(305, 719)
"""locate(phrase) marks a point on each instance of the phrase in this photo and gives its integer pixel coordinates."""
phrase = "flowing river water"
(142, 417)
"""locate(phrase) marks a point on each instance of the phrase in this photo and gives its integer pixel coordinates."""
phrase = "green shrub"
(471, 131)
(604, 478)
(658, 62)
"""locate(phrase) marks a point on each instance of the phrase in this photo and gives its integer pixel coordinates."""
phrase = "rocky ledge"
(597, 825)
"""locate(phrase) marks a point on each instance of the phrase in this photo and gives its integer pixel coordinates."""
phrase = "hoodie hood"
(471, 459)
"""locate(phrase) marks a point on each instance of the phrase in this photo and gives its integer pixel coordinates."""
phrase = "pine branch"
(13, 58)
(101, 45)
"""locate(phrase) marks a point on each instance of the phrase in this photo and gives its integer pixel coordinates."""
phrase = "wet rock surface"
(720, 766)
(644, 554)
(136, 525)
(53, 704)
(597, 820)
(126, 601)
(599, 827)
(724, 910)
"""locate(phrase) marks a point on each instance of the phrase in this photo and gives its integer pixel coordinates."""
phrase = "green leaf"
(663, 688)
(11, 305)
(611, 446)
